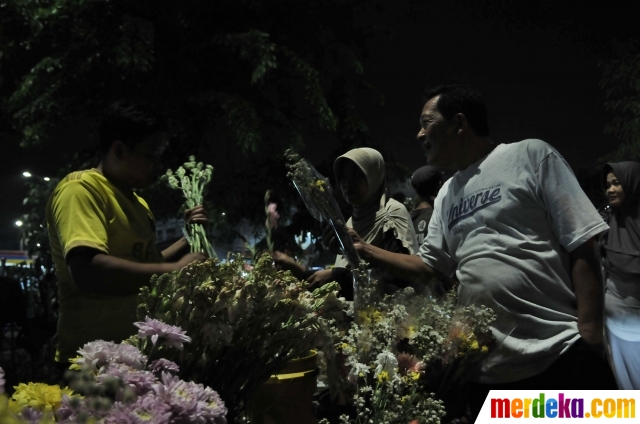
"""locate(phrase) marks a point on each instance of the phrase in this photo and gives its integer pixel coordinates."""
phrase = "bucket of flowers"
(408, 356)
(246, 323)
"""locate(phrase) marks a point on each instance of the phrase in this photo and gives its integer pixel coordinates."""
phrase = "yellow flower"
(344, 346)
(414, 375)
(320, 184)
(6, 413)
(39, 396)
(370, 315)
(484, 349)
(383, 376)
(475, 345)
(411, 331)
(74, 365)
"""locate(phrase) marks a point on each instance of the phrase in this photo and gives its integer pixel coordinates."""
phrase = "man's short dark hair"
(129, 122)
(458, 98)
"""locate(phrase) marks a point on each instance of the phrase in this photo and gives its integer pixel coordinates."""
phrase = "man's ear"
(118, 149)
(462, 123)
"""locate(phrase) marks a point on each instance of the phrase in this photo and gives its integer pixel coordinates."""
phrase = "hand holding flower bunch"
(317, 195)
(192, 178)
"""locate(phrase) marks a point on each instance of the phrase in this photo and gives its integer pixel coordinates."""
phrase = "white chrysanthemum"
(386, 362)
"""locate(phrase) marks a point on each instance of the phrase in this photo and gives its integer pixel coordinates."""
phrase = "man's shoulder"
(531, 147)
(88, 181)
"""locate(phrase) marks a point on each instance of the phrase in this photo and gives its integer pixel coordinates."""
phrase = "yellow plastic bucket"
(286, 397)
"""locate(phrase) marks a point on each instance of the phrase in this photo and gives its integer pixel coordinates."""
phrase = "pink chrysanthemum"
(99, 353)
(31, 415)
(274, 216)
(191, 402)
(146, 409)
(163, 365)
(140, 381)
(172, 335)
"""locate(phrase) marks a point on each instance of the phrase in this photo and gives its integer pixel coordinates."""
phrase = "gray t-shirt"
(505, 227)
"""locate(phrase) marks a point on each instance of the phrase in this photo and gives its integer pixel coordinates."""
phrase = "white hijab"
(378, 214)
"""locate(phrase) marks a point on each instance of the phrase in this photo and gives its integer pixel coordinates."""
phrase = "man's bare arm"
(96, 272)
(589, 290)
(406, 267)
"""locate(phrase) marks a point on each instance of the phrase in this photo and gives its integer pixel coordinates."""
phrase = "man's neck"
(477, 148)
(108, 173)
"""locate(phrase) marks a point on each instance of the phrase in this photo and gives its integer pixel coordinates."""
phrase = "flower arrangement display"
(117, 383)
(407, 356)
(245, 323)
(192, 178)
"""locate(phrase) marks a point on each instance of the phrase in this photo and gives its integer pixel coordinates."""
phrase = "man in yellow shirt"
(102, 233)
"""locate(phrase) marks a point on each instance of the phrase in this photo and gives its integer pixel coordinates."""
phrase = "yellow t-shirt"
(87, 210)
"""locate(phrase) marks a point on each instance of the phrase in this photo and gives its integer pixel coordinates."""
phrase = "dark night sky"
(537, 63)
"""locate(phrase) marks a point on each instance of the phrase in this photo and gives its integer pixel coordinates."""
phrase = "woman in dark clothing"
(622, 266)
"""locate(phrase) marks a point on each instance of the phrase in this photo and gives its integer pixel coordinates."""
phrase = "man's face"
(143, 162)
(438, 137)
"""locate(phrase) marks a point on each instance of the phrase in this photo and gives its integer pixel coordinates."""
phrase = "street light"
(19, 223)
(47, 179)
(26, 174)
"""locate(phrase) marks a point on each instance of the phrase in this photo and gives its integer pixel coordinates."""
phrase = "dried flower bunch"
(408, 355)
(245, 324)
(116, 384)
(192, 178)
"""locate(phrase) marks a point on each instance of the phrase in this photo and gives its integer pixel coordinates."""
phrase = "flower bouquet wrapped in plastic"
(317, 194)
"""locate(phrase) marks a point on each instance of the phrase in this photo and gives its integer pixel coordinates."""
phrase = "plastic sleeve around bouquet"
(317, 194)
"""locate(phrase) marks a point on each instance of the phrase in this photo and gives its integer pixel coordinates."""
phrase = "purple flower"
(163, 365)
(191, 402)
(210, 406)
(1, 380)
(140, 381)
(146, 409)
(31, 415)
(99, 353)
(174, 336)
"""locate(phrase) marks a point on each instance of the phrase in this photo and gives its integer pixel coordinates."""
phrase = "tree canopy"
(621, 81)
(240, 80)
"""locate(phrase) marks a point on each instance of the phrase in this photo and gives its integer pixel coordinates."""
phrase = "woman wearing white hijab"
(380, 220)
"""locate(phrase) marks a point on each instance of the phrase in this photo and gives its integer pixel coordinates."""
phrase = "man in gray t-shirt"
(517, 231)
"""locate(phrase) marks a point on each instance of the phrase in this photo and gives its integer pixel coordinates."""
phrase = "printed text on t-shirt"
(467, 206)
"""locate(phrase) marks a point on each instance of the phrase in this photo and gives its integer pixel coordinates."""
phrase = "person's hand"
(330, 241)
(358, 243)
(197, 215)
(283, 261)
(319, 278)
(190, 258)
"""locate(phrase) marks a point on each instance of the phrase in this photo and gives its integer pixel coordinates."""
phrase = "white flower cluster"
(192, 178)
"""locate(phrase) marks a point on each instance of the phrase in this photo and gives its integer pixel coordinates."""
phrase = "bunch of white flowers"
(192, 178)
